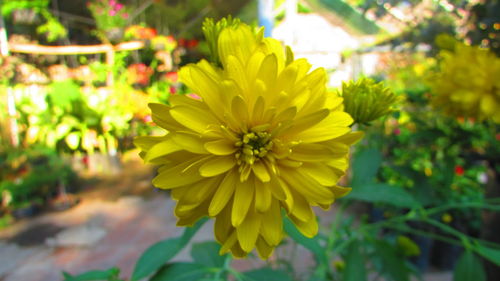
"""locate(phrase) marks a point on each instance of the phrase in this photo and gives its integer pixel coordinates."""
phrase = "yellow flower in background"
(468, 84)
(264, 135)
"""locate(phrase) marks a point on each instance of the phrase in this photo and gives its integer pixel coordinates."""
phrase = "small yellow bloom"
(468, 83)
(264, 136)
(428, 171)
(447, 218)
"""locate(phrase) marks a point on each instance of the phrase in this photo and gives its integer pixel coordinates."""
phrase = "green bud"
(365, 100)
(211, 30)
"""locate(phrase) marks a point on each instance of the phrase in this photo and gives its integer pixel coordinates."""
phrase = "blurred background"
(76, 77)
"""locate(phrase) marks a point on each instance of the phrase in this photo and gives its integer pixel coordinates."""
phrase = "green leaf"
(207, 253)
(267, 274)
(94, 275)
(355, 269)
(393, 265)
(383, 193)
(469, 268)
(365, 166)
(488, 253)
(181, 272)
(311, 244)
(160, 253)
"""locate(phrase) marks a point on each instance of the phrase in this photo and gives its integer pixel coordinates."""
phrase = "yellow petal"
(307, 186)
(276, 189)
(172, 177)
(301, 208)
(272, 225)
(205, 86)
(217, 166)
(194, 195)
(239, 109)
(308, 121)
(222, 224)
(223, 193)
(190, 142)
(319, 172)
(248, 231)
(239, 43)
(146, 142)
(191, 217)
(263, 197)
(261, 172)
(308, 228)
(161, 116)
(351, 138)
(340, 191)
(236, 71)
(263, 248)
(243, 197)
(268, 70)
(220, 147)
(229, 243)
(193, 118)
(161, 149)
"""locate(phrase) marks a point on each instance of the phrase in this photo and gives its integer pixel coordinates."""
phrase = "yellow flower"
(264, 135)
(467, 84)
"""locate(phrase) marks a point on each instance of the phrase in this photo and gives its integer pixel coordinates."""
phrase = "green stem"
(225, 268)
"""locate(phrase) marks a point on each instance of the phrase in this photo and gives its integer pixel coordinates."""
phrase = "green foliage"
(351, 16)
(365, 166)
(111, 274)
(354, 264)
(181, 272)
(8, 6)
(207, 253)
(267, 274)
(160, 253)
(469, 268)
(31, 176)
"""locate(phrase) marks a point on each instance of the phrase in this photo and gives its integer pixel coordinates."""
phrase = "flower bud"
(365, 100)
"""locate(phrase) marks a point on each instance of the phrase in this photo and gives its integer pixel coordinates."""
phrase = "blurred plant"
(31, 177)
(52, 28)
(139, 32)
(139, 73)
(111, 18)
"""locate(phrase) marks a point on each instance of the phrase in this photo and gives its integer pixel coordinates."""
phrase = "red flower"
(459, 170)
(172, 76)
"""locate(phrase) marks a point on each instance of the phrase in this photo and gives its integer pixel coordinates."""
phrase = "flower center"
(253, 146)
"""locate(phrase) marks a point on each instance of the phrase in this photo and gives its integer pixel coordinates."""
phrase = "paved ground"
(107, 228)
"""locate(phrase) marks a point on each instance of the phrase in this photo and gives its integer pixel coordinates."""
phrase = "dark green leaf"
(393, 265)
(488, 253)
(207, 253)
(181, 272)
(267, 274)
(311, 244)
(365, 166)
(355, 269)
(383, 193)
(160, 253)
(94, 275)
(469, 268)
